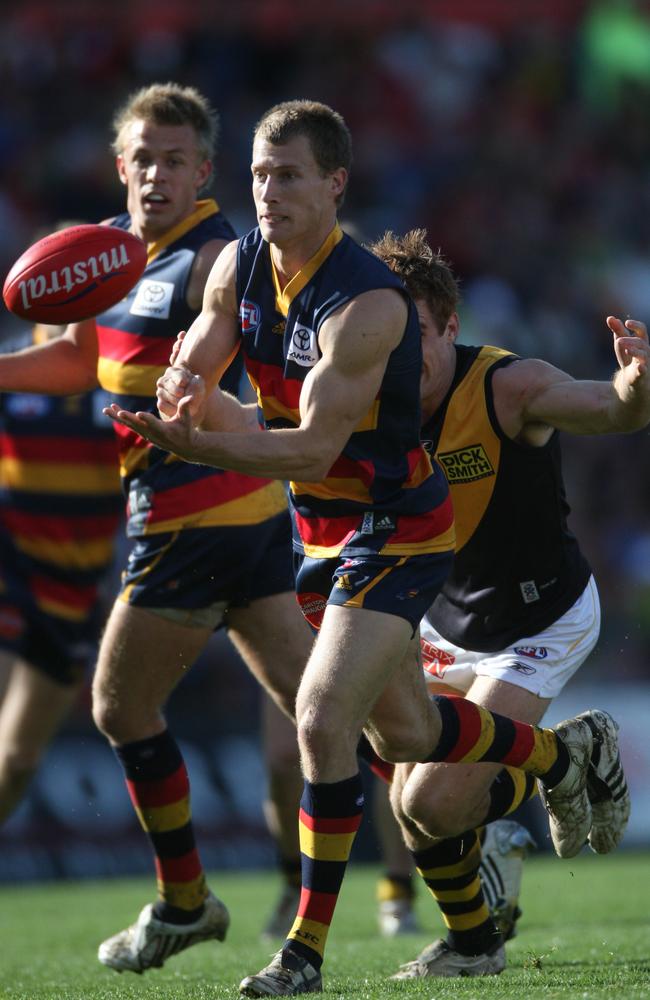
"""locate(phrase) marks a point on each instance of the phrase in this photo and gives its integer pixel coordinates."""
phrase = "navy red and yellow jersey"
(518, 567)
(60, 498)
(383, 478)
(135, 340)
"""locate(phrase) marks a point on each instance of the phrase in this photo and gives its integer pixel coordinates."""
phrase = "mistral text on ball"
(96, 268)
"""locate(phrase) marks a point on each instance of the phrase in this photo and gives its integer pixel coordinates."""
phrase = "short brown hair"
(169, 104)
(426, 273)
(328, 135)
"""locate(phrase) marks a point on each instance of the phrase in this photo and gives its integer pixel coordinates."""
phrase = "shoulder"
(203, 265)
(525, 377)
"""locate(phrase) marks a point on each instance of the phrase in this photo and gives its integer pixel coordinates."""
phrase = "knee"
(321, 730)
(399, 744)
(438, 812)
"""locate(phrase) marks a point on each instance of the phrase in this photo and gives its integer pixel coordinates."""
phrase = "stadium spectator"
(519, 612)
(60, 505)
(210, 548)
(334, 349)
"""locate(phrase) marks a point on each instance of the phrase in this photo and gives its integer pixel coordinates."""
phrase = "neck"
(290, 258)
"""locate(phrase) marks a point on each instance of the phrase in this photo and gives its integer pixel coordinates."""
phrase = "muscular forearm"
(226, 413)
(57, 367)
(276, 454)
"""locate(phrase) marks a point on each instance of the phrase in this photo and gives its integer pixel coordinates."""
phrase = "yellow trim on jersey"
(134, 459)
(253, 508)
(81, 554)
(128, 380)
(468, 418)
(285, 296)
(204, 209)
(334, 488)
(58, 477)
(59, 610)
(445, 542)
(371, 420)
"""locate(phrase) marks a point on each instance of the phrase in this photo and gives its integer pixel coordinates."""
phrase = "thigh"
(142, 656)
(32, 709)
(275, 642)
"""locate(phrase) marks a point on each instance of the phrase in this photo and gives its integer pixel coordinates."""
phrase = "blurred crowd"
(520, 143)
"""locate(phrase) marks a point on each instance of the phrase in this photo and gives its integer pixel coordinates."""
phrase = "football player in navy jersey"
(59, 513)
(210, 548)
(519, 613)
(332, 344)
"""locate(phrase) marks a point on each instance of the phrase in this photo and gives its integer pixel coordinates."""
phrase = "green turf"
(585, 935)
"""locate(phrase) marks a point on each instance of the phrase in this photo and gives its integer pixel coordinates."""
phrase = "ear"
(203, 174)
(453, 328)
(121, 172)
(339, 179)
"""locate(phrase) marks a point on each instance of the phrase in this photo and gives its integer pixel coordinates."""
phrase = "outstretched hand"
(176, 434)
(631, 347)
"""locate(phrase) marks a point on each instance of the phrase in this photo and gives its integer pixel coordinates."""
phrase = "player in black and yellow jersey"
(519, 611)
(331, 342)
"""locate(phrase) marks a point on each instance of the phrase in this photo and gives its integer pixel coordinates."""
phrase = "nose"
(153, 171)
(268, 192)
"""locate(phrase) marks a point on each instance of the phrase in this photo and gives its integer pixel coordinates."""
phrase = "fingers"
(631, 326)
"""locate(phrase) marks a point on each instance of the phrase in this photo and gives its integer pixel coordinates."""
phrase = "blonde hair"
(169, 104)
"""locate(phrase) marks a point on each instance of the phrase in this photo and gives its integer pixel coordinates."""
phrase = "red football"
(74, 273)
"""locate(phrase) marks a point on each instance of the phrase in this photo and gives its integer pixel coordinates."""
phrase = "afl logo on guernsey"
(249, 316)
(303, 349)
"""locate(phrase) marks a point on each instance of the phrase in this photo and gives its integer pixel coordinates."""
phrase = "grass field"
(585, 935)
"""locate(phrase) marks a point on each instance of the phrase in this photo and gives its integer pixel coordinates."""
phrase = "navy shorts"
(193, 576)
(405, 586)
(59, 643)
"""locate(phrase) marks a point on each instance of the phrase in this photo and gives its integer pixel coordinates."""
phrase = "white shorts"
(542, 663)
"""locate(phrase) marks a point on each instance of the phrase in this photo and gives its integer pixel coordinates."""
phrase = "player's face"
(438, 355)
(294, 200)
(163, 171)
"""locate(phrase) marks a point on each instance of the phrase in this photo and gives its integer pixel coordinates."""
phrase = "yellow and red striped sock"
(157, 782)
(330, 815)
(472, 734)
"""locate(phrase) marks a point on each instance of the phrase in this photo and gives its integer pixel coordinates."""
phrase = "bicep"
(551, 397)
(213, 338)
(343, 386)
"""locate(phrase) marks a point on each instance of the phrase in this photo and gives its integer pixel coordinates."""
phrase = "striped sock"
(330, 815)
(510, 789)
(450, 869)
(159, 788)
(470, 733)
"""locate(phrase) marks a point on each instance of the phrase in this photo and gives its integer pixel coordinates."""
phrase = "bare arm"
(62, 366)
(532, 398)
(356, 343)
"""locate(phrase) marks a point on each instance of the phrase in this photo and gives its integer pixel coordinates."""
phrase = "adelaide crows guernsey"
(383, 483)
(517, 567)
(60, 500)
(135, 339)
